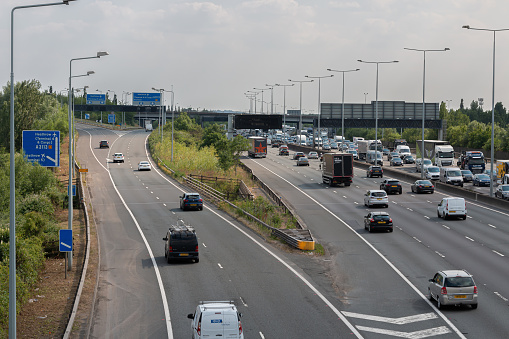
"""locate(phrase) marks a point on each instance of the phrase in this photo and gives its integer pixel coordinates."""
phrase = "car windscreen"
(433, 169)
(476, 161)
(454, 173)
(459, 282)
(483, 177)
(505, 188)
(427, 162)
(378, 194)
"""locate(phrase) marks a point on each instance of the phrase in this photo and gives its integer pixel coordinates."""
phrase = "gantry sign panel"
(390, 110)
(258, 121)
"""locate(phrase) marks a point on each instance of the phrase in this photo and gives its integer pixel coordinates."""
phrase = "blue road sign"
(42, 147)
(73, 190)
(96, 99)
(146, 99)
(87, 116)
(65, 240)
(111, 118)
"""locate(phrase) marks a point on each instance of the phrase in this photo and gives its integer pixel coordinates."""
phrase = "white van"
(452, 207)
(451, 175)
(403, 150)
(370, 158)
(213, 319)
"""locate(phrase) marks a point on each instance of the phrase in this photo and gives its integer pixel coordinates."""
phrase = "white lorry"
(439, 151)
(148, 127)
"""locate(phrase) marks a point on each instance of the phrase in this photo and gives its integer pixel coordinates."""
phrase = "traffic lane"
(118, 300)
(358, 273)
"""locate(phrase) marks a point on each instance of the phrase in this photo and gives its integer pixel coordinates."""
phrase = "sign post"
(65, 244)
(42, 147)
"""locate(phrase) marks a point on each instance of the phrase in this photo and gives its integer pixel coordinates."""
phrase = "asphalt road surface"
(383, 277)
(280, 294)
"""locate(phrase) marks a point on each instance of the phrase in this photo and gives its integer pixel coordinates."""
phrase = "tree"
(184, 122)
(229, 151)
(212, 135)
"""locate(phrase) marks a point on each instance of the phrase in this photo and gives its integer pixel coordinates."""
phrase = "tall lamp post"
(365, 100)
(343, 102)
(71, 140)
(255, 94)
(271, 97)
(12, 181)
(492, 156)
(284, 105)
(319, 106)
(161, 91)
(423, 96)
(261, 89)
(376, 105)
(172, 119)
(300, 104)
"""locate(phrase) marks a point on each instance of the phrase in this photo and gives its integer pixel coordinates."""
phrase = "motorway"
(367, 286)
(386, 274)
(141, 296)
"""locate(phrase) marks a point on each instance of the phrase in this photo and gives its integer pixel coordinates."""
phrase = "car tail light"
(371, 220)
(475, 289)
(198, 329)
(443, 290)
(185, 200)
(240, 327)
(170, 249)
(201, 200)
(390, 219)
(196, 250)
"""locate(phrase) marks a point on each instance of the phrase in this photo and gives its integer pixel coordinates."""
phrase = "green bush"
(32, 226)
(36, 203)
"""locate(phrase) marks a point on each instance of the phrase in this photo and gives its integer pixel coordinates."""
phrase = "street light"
(71, 140)
(255, 94)
(114, 94)
(161, 91)
(300, 105)
(284, 105)
(376, 105)
(423, 96)
(261, 89)
(271, 97)
(12, 182)
(319, 106)
(492, 101)
(343, 102)
(365, 97)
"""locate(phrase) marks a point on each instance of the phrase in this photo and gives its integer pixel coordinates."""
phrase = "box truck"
(337, 168)
(367, 145)
(257, 147)
(440, 152)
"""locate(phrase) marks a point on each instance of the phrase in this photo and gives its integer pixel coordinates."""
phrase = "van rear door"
(230, 325)
(212, 325)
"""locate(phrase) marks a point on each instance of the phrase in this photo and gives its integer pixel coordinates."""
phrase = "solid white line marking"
(261, 335)
(440, 254)
(391, 265)
(411, 335)
(218, 264)
(500, 254)
(395, 321)
(490, 225)
(500, 295)
(469, 238)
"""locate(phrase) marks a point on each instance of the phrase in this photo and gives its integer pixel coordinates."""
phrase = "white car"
(312, 155)
(118, 157)
(452, 207)
(432, 173)
(213, 319)
(144, 166)
(376, 197)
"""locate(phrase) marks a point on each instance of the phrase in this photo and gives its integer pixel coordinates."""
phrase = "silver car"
(453, 287)
(376, 197)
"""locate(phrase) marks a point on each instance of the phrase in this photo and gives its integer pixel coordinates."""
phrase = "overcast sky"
(212, 52)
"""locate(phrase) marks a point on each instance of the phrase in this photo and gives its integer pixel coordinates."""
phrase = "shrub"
(36, 203)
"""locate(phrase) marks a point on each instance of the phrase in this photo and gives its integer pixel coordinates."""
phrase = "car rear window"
(193, 196)
(392, 182)
(378, 194)
(381, 217)
(376, 168)
(459, 282)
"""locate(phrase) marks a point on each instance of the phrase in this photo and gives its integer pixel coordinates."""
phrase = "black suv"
(391, 186)
(104, 143)
(378, 221)
(181, 242)
(375, 171)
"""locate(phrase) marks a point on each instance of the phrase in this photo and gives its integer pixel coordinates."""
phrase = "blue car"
(481, 180)
(191, 201)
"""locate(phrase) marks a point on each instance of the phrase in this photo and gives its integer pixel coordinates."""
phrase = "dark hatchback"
(104, 143)
(391, 186)
(191, 201)
(375, 171)
(378, 221)
(422, 186)
(481, 180)
(395, 161)
(181, 242)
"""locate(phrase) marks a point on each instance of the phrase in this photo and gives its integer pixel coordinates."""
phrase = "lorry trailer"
(337, 168)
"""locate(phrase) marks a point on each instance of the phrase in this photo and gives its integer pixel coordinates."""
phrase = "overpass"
(391, 114)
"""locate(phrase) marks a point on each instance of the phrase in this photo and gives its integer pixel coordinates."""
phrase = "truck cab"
(444, 155)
